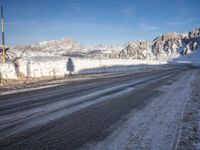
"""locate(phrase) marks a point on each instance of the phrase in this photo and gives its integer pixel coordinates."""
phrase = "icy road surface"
(125, 112)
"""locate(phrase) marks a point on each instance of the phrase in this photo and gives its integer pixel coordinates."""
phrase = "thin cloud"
(75, 7)
(147, 27)
(128, 12)
(181, 22)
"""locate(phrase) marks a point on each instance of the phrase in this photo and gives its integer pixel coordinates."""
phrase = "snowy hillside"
(193, 57)
(163, 48)
(48, 48)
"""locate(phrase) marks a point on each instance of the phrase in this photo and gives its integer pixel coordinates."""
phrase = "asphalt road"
(71, 115)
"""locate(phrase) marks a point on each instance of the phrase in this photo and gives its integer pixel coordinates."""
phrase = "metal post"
(2, 29)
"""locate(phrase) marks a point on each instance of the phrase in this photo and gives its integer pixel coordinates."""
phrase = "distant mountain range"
(164, 47)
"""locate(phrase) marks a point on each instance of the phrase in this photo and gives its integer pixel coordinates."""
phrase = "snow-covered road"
(126, 112)
(153, 127)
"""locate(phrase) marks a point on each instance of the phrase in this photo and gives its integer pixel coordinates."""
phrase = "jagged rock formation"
(137, 50)
(175, 43)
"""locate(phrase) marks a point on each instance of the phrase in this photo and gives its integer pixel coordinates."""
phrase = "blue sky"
(96, 21)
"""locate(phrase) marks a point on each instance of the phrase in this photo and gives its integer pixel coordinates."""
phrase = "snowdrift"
(7, 71)
(192, 58)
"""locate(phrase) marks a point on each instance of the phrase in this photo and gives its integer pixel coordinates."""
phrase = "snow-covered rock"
(171, 45)
(137, 50)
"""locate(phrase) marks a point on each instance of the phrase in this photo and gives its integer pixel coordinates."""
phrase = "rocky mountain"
(164, 47)
(54, 47)
(137, 50)
(66, 47)
(176, 43)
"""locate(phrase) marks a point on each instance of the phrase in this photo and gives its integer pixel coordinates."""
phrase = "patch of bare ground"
(22, 82)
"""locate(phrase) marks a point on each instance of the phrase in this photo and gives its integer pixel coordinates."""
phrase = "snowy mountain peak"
(63, 40)
(62, 44)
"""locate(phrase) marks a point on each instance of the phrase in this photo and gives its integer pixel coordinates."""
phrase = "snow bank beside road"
(58, 66)
(7, 71)
(61, 66)
(42, 66)
(191, 58)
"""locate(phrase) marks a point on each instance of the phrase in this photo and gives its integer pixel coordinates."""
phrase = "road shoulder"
(189, 130)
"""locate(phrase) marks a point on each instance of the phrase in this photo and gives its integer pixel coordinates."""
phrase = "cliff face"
(164, 47)
(137, 50)
(171, 43)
